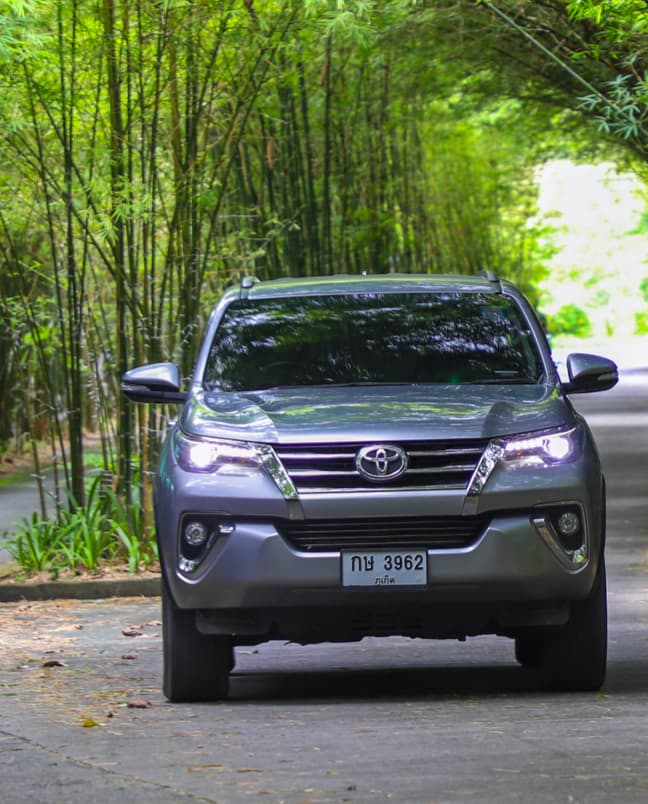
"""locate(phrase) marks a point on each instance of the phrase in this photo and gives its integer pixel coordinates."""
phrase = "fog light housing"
(195, 534)
(564, 530)
(568, 525)
(199, 534)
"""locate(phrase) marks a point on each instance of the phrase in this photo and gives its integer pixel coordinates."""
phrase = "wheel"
(196, 666)
(572, 657)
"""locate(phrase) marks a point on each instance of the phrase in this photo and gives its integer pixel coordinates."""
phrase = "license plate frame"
(384, 568)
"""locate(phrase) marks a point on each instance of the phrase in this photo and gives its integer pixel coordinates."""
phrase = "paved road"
(19, 497)
(385, 720)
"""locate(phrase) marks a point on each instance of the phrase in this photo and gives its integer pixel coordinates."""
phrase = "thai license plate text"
(384, 568)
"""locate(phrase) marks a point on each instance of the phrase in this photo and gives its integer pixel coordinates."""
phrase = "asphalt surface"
(402, 720)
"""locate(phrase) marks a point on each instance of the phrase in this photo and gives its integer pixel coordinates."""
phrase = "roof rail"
(247, 282)
(493, 279)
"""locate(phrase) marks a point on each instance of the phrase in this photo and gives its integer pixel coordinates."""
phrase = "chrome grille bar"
(322, 468)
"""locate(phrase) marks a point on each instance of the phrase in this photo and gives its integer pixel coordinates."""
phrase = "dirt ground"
(19, 462)
(46, 645)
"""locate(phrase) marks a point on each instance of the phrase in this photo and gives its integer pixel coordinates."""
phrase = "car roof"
(373, 283)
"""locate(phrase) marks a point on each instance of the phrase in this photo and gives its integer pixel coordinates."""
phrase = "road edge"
(80, 590)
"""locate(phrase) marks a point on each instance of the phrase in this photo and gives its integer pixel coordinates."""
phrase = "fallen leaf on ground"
(89, 723)
(53, 663)
(132, 631)
(139, 703)
(128, 656)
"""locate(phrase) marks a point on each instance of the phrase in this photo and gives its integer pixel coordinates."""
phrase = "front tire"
(572, 657)
(196, 665)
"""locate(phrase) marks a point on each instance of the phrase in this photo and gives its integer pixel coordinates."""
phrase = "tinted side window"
(372, 338)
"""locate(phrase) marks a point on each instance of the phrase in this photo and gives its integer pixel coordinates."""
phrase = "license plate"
(384, 568)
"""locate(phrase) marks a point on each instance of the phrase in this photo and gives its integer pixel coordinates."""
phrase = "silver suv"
(376, 456)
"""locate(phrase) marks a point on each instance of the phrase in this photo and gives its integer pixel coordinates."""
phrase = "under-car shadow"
(391, 684)
(395, 669)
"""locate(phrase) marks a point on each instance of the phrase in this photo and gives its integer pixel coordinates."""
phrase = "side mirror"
(157, 382)
(588, 373)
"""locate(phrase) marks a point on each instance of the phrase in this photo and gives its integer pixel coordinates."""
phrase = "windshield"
(373, 338)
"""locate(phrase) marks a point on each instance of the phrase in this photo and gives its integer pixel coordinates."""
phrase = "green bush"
(570, 320)
(35, 544)
(100, 532)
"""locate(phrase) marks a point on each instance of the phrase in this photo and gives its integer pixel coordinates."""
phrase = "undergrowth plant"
(134, 546)
(102, 531)
(35, 544)
(87, 538)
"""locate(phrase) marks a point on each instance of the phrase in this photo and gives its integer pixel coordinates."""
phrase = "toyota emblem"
(381, 462)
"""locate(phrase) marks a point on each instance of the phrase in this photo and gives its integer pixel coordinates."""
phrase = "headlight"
(542, 450)
(546, 449)
(208, 456)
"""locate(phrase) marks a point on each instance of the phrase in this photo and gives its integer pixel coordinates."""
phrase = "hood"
(354, 414)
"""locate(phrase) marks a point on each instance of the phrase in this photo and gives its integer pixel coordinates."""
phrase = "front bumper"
(255, 567)
(252, 581)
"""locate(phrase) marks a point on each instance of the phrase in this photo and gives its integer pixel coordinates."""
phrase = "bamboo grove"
(154, 151)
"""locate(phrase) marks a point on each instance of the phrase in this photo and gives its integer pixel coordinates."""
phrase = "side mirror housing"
(156, 382)
(589, 373)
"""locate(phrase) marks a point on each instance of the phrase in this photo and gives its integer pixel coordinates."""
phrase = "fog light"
(195, 534)
(568, 524)
(564, 530)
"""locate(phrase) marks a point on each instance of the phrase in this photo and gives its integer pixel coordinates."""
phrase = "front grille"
(431, 464)
(383, 533)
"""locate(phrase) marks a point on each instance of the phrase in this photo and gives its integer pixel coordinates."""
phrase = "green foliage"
(641, 317)
(86, 538)
(17, 32)
(591, 53)
(641, 323)
(154, 152)
(643, 288)
(620, 108)
(102, 531)
(570, 320)
(35, 545)
(138, 548)
(642, 226)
